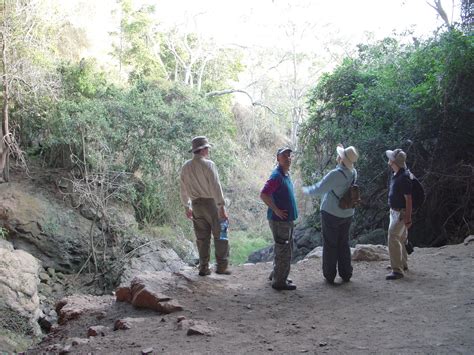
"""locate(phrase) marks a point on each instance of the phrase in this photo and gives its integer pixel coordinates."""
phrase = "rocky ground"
(431, 311)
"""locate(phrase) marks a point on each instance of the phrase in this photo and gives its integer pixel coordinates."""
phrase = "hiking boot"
(330, 281)
(224, 272)
(405, 268)
(393, 276)
(270, 278)
(286, 286)
(205, 272)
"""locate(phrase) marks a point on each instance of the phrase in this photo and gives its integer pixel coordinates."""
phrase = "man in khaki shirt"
(203, 200)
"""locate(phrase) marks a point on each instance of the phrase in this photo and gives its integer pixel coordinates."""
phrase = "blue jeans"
(336, 249)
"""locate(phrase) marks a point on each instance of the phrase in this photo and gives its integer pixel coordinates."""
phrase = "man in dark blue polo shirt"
(400, 201)
(279, 196)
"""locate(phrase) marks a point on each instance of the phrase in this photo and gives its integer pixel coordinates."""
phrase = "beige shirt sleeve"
(185, 199)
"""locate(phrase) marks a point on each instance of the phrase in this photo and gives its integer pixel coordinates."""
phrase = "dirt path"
(431, 310)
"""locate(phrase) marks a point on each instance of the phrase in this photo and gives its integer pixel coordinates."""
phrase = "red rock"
(97, 330)
(122, 324)
(123, 294)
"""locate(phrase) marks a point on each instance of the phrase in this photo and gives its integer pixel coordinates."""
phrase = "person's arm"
(185, 198)
(408, 210)
(216, 189)
(326, 184)
(271, 186)
(269, 202)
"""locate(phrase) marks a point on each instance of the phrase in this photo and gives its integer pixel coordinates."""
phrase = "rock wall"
(19, 300)
(44, 227)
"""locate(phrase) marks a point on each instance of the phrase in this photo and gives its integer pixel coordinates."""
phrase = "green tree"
(415, 97)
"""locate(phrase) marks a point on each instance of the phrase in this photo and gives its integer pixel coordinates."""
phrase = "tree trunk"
(4, 149)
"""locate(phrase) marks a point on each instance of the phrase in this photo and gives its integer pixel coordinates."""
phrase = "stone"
(72, 307)
(51, 272)
(151, 259)
(200, 328)
(97, 330)
(146, 292)
(123, 294)
(469, 239)
(45, 289)
(43, 227)
(315, 253)
(147, 351)
(369, 252)
(19, 296)
(122, 324)
(79, 341)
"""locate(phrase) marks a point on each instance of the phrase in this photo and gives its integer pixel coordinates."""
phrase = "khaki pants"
(397, 236)
(283, 237)
(206, 222)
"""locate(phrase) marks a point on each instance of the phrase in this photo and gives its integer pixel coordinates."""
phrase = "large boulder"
(361, 252)
(150, 256)
(262, 255)
(19, 300)
(377, 237)
(44, 226)
(304, 241)
(369, 252)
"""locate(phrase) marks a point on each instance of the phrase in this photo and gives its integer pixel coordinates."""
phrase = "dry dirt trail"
(430, 311)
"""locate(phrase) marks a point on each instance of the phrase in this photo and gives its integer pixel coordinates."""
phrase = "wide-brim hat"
(348, 155)
(199, 143)
(398, 156)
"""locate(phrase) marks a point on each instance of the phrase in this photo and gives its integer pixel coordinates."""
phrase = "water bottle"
(224, 225)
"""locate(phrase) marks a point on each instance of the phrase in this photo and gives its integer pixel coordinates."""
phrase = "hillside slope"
(431, 310)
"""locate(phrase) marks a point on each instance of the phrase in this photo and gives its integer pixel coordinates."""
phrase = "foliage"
(144, 131)
(243, 243)
(3, 233)
(416, 97)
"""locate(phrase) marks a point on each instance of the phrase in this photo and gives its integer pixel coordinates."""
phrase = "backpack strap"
(354, 179)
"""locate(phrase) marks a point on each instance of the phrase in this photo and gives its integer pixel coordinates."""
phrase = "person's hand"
(282, 214)
(223, 213)
(189, 213)
(408, 222)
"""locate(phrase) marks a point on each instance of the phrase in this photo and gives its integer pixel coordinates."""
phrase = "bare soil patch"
(431, 310)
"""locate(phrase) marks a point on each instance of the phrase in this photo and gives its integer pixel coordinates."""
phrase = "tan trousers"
(397, 236)
(206, 222)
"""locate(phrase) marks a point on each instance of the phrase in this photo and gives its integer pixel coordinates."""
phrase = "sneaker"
(224, 272)
(205, 272)
(393, 276)
(289, 287)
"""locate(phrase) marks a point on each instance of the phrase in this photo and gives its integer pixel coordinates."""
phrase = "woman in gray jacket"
(336, 221)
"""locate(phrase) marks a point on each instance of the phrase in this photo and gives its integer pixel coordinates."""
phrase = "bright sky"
(261, 22)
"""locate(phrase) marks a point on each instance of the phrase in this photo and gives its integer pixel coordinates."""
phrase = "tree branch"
(231, 91)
